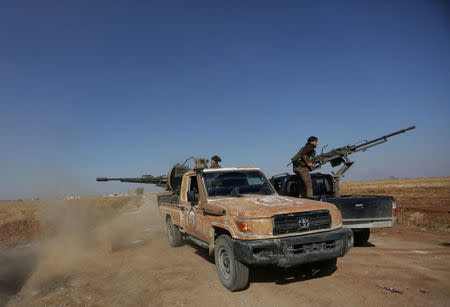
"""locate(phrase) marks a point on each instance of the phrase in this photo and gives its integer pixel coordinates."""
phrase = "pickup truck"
(359, 212)
(239, 217)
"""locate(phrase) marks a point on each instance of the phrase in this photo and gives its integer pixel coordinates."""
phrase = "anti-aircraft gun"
(339, 155)
(359, 212)
(171, 181)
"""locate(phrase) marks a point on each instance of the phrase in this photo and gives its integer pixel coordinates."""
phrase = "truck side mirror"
(191, 197)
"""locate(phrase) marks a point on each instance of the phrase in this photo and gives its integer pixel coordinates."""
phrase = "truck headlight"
(243, 226)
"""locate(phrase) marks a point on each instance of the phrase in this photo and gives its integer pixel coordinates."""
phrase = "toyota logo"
(303, 223)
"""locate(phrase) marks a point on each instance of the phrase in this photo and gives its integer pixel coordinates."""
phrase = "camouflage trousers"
(303, 172)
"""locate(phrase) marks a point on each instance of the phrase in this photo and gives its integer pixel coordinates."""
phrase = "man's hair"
(312, 139)
(216, 158)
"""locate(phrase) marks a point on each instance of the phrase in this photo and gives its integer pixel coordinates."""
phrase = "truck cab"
(237, 214)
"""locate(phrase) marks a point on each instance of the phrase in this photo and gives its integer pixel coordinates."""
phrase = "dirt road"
(143, 270)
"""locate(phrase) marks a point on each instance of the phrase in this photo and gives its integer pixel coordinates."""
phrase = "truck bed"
(168, 199)
(361, 211)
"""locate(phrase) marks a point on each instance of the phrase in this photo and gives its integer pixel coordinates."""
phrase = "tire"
(233, 274)
(361, 236)
(174, 234)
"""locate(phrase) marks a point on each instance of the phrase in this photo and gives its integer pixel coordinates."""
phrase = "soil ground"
(114, 251)
(421, 202)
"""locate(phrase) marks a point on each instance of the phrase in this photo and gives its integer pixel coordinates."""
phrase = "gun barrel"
(384, 137)
(143, 179)
(171, 182)
(106, 179)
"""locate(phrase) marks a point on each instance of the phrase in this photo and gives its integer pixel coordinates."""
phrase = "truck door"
(193, 214)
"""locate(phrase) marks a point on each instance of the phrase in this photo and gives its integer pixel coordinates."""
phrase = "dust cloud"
(73, 233)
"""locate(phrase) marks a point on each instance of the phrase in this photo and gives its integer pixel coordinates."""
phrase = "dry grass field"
(421, 202)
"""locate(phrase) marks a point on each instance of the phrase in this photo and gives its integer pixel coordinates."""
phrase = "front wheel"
(233, 274)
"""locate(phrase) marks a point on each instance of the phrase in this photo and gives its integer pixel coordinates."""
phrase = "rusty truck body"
(238, 216)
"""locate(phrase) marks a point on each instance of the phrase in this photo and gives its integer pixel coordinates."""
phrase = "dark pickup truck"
(359, 212)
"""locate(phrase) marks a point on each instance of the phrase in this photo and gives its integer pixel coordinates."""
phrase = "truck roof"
(224, 169)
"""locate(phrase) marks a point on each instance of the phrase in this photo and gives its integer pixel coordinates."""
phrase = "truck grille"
(301, 222)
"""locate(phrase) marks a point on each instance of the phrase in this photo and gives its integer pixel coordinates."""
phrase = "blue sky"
(131, 87)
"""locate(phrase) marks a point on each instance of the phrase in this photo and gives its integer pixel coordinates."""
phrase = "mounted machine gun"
(339, 155)
(171, 181)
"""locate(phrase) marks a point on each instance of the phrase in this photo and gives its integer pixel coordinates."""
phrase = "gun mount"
(171, 181)
(339, 155)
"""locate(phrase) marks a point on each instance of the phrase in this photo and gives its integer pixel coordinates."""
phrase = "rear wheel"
(233, 274)
(361, 236)
(174, 234)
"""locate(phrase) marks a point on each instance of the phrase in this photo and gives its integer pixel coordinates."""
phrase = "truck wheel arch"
(215, 232)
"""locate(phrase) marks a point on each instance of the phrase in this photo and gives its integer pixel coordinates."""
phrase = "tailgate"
(363, 207)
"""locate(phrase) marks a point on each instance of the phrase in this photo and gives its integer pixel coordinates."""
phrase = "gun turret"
(339, 155)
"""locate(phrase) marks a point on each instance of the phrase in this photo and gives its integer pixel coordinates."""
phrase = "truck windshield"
(237, 183)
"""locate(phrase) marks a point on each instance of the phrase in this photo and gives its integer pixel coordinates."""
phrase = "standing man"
(215, 162)
(302, 164)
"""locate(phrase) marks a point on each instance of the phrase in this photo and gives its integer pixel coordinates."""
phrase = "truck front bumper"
(291, 251)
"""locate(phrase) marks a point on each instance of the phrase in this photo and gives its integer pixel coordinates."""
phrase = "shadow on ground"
(202, 252)
(279, 276)
(367, 244)
(16, 267)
